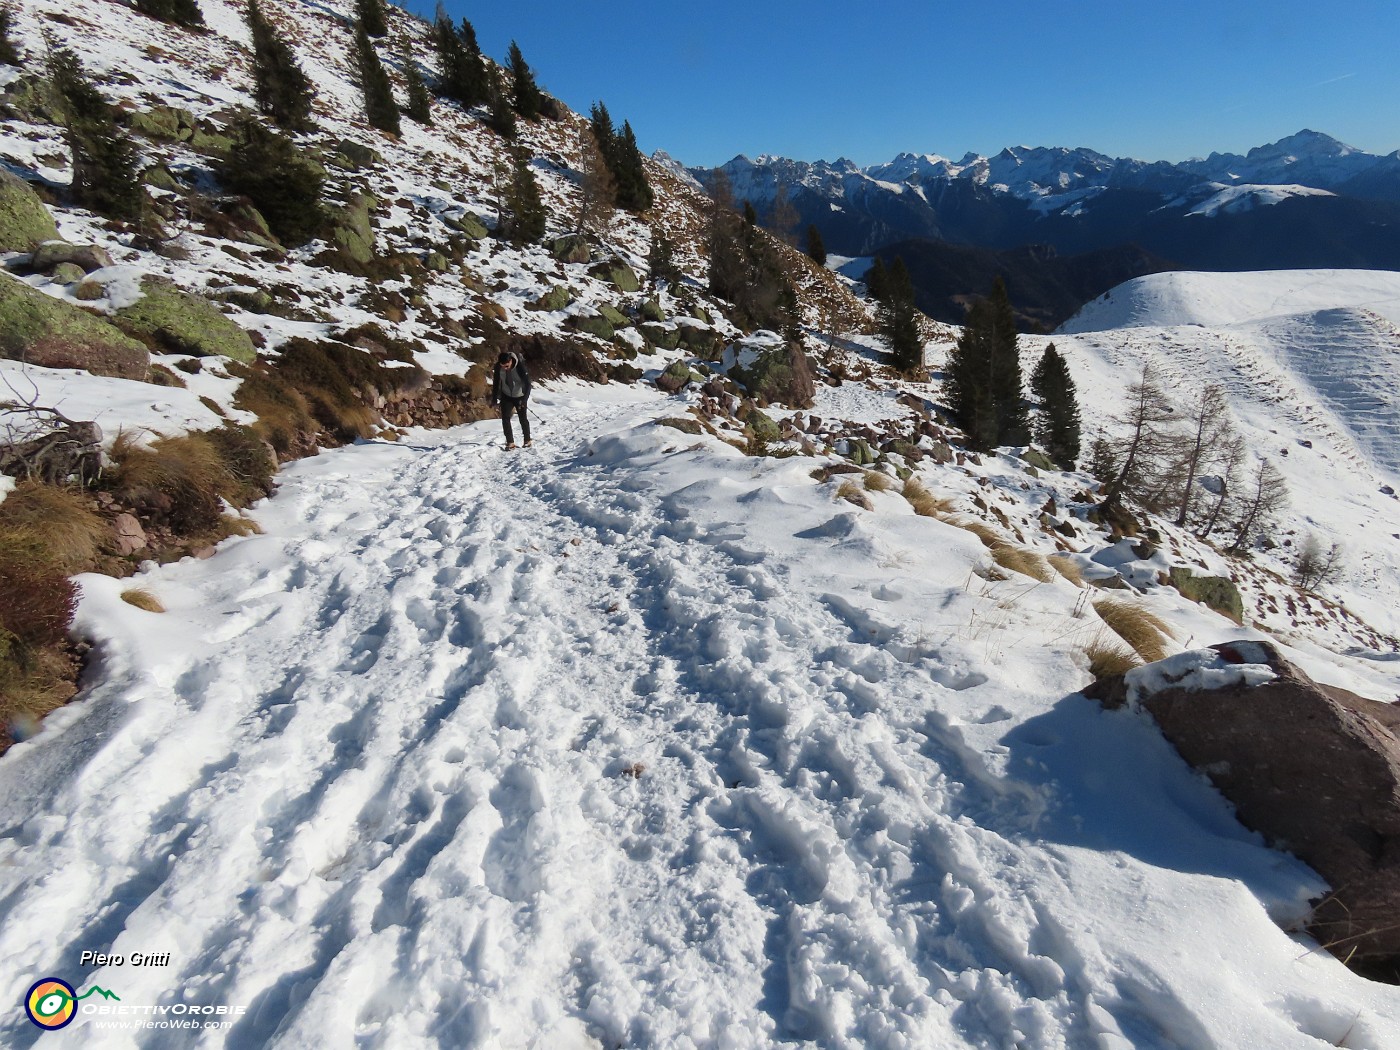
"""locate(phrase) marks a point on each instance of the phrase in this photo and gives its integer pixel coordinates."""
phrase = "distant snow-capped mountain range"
(1306, 201)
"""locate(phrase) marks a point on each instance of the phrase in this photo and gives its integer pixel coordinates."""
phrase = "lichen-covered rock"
(651, 311)
(594, 325)
(677, 377)
(1217, 592)
(614, 317)
(352, 231)
(163, 122)
(761, 425)
(471, 226)
(1037, 459)
(702, 342)
(210, 140)
(617, 273)
(659, 336)
(177, 322)
(782, 375)
(67, 273)
(571, 249)
(353, 156)
(88, 256)
(436, 261)
(46, 331)
(31, 99)
(24, 221)
(556, 298)
(158, 176)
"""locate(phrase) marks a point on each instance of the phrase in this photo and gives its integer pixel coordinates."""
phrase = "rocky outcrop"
(45, 331)
(24, 221)
(177, 322)
(571, 249)
(782, 375)
(1313, 768)
(617, 273)
(351, 230)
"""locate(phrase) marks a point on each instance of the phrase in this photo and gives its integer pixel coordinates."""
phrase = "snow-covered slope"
(637, 741)
(1309, 360)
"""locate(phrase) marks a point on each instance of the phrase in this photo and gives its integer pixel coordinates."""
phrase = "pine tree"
(966, 379)
(1007, 389)
(875, 279)
(1057, 427)
(464, 79)
(105, 176)
(420, 101)
(525, 96)
(816, 249)
(523, 212)
(898, 319)
(280, 88)
(633, 189)
(600, 120)
(661, 259)
(371, 15)
(177, 12)
(9, 53)
(283, 185)
(501, 118)
(381, 110)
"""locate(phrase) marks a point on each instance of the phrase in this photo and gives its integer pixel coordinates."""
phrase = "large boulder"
(24, 221)
(353, 155)
(32, 99)
(53, 253)
(617, 273)
(180, 323)
(782, 375)
(163, 122)
(1313, 768)
(352, 231)
(45, 331)
(571, 249)
(1217, 592)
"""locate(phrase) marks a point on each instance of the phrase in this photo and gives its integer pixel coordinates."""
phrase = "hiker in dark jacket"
(510, 387)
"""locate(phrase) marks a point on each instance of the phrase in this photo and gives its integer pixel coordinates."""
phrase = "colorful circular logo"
(51, 1003)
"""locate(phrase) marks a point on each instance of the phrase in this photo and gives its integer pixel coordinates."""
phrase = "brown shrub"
(38, 605)
(53, 523)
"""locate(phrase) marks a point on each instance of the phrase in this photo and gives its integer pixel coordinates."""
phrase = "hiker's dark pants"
(516, 404)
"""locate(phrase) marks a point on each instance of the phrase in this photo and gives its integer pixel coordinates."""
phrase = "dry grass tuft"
(991, 539)
(1144, 632)
(1026, 562)
(1068, 569)
(1107, 657)
(924, 502)
(52, 523)
(851, 493)
(143, 599)
(878, 482)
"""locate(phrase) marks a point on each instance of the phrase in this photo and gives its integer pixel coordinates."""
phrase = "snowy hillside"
(1309, 359)
(669, 731)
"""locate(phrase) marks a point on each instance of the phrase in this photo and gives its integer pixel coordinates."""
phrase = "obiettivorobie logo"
(52, 1003)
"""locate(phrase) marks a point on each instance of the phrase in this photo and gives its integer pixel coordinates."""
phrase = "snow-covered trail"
(486, 750)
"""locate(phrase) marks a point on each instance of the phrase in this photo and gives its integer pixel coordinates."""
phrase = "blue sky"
(817, 80)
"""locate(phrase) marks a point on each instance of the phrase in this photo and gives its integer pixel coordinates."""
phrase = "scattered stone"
(571, 249)
(88, 256)
(67, 273)
(614, 317)
(131, 537)
(617, 273)
(677, 377)
(683, 424)
(1037, 459)
(651, 311)
(353, 156)
(556, 298)
(352, 231)
(660, 336)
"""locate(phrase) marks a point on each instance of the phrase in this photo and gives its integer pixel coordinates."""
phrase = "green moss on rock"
(594, 325)
(614, 317)
(352, 231)
(45, 331)
(24, 221)
(1217, 592)
(618, 274)
(180, 323)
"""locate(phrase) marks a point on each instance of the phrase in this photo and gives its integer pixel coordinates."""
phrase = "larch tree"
(1265, 497)
(816, 249)
(1148, 442)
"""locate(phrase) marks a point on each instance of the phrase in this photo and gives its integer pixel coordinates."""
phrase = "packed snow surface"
(632, 740)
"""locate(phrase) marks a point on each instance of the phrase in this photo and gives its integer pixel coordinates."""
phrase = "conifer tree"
(105, 176)
(899, 323)
(600, 120)
(661, 260)
(501, 119)
(283, 185)
(177, 12)
(633, 189)
(523, 214)
(816, 249)
(280, 88)
(983, 376)
(744, 268)
(420, 102)
(1013, 423)
(371, 14)
(525, 95)
(381, 110)
(9, 53)
(1057, 427)
(464, 79)
(875, 279)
